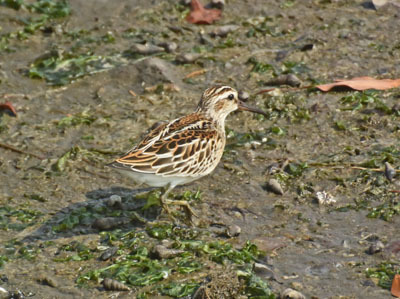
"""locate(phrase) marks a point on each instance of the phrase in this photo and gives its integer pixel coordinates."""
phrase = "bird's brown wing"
(184, 147)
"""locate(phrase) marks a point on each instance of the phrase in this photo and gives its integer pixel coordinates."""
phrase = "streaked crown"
(218, 101)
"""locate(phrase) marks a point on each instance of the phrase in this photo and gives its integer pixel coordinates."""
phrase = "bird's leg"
(165, 202)
(164, 198)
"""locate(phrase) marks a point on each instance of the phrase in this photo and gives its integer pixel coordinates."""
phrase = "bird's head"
(218, 101)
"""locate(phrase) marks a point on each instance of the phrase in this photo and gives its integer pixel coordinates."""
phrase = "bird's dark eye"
(231, 97)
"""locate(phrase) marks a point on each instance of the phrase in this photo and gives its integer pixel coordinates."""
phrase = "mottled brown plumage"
(186, 148)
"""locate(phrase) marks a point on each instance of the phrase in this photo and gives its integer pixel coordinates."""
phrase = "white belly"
(154, 180)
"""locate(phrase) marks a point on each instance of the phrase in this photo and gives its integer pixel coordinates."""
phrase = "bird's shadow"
(105, 209)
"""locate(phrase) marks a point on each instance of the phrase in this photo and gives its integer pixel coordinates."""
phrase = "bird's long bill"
(244, 107)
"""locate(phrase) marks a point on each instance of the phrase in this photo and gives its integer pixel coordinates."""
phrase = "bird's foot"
(183, 203)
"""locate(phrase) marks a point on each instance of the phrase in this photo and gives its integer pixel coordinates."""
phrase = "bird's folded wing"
(182, 153)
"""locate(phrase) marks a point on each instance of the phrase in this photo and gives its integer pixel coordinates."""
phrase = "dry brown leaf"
(8, 108)
(362, 83)
(132, 93)
(200, 15)
(396, 286)
(196, 73)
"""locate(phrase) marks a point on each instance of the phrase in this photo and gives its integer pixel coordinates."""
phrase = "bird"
(185, 149)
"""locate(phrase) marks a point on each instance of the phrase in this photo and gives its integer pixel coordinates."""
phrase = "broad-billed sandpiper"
(184, 149)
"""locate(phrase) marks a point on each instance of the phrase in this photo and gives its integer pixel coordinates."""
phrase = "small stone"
(263, 270)
(307, 47)
(375, 247)
(390, 172)
(243, 96)
(273, 168)
(223, 31)
(297, 285)
(274, 186)
(108, 223)
(379, 3)
(218, 3)
(113, 200)
(146, 49)
(233, 230)
(58, 29)
(346, 244)
(155, 70)
(238, 215)
(270, 244)
(368, 283)
(290, 79)
(293, 80)
(292, 294)
(169, 46)
(185, 2)
(108, 253)
(187, 58)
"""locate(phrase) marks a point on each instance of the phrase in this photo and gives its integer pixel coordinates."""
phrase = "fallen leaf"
(8, 108)
(396, 286)
(200, 15)
(362, 83)
(196, 73)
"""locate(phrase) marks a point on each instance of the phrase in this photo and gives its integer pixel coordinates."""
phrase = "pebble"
(223, 31)
(368, 283)
(390, 172)
(185, 2)
(292, 294)
(114, 199)
(263, 270)
(108, 253)
(169, 46)
(375, 247)
(218, 3)
(238, 215)
(346, 244)
(243, 95)
(290, 79)
(146, 49)
(269, 244)
(296, 285)
(274, 186)
(187, 58)
(233, 230)
(107, 223)
(158, 70)
(273, 168)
